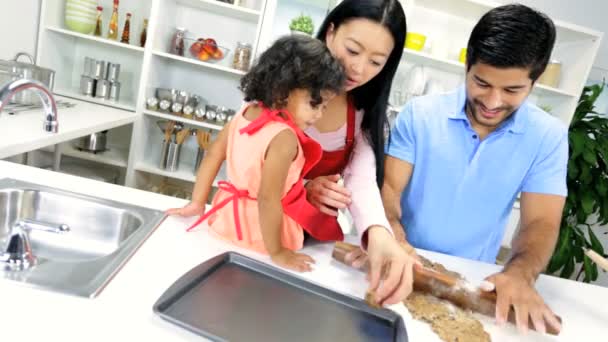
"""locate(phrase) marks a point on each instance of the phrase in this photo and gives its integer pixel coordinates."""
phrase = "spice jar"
(242, 56)
(177, 41)
(551, 76)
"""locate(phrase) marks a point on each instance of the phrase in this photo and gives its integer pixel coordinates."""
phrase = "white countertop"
(23, 131)
(123, 310)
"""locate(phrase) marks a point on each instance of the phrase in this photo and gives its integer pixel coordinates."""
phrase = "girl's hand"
(292, 260)
(191, 209)
(326, 194)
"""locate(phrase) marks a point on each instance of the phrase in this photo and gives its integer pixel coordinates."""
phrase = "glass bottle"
(98, 24)
(126, 31)
(113, 28)
(144, 34)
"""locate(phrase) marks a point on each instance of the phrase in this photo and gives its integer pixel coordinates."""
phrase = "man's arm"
(533, 246)
(397, 174)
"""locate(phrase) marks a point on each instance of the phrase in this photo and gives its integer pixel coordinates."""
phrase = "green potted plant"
(587, 202)
(302, 24)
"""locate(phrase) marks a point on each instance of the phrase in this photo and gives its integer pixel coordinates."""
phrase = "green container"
(80, 15)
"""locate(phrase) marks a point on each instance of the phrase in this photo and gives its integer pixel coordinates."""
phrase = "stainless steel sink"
(102, 236)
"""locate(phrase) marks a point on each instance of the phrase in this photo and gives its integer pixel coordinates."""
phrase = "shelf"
(546, 90)
(222, 8)
(184, 172)
(452, 66)
(125, 105)
(426, 59)
(115, 156)
(190, 122)
(95, 39)
(201, 63)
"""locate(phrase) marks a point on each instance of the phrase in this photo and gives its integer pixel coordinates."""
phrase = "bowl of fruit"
(206, 49)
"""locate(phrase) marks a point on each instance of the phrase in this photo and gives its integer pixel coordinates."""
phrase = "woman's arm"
(210, 166)
(360, 179)
(280, 153)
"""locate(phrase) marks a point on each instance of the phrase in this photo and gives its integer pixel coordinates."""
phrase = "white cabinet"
(446, 23)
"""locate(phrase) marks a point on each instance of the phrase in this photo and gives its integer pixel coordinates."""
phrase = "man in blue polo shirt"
(456, 162)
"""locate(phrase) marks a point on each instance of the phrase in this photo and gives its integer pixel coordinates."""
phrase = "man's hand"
(515, 290)
(384, 253)
(326, 194)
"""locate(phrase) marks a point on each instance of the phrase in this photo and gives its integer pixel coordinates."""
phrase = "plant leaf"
(596, 245)
(568, 269)
(588, 270)
(587, 202)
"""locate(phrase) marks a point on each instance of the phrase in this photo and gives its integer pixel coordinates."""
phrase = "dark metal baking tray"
(235, 298)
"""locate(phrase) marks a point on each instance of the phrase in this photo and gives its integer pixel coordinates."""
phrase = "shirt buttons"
(474, 136)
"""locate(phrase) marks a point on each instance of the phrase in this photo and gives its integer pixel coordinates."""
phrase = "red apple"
(197, 46)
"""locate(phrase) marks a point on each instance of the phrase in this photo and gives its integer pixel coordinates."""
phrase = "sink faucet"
(48, 102)
(17, 254)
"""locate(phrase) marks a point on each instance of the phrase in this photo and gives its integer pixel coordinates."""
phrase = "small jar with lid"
(177, 41)
(242, 56)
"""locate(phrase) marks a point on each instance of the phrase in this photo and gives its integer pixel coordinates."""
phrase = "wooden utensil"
(203, 139)
(169, 130)
(181, 136)
(598, 259)
(444, 286)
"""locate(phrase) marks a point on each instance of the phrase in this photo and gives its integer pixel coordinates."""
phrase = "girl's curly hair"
(293, 62)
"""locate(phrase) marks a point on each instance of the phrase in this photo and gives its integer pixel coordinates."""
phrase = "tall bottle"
(113, 28)
(126, 30)
(144, 34)
(98, 22)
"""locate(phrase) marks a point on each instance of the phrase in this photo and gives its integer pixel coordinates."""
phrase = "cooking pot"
(95, 142)
(13, 70)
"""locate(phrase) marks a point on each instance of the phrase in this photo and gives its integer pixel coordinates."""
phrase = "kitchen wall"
(19, 27)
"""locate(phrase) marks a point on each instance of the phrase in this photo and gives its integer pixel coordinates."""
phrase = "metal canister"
(114, 91)
(112, 72)
(102, 90)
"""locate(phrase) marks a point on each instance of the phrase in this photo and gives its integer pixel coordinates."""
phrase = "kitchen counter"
(23, 131)
(123, 310)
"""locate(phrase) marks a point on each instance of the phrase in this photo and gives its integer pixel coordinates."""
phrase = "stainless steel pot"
(95, 142)
(13, 69)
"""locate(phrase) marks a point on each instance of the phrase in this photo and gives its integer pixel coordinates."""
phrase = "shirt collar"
(515, 124)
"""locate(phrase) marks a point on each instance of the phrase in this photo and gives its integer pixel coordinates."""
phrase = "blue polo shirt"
(462, 189)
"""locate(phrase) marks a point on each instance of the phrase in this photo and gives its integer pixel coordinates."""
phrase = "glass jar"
(552, 74)
(177, 41)
(242, 56)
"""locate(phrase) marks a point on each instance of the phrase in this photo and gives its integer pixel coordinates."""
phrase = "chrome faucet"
(17, 254)
(48, 102)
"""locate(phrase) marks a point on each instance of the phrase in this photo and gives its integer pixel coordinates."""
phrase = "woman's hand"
(191, 209)
(325, 193)
(397, 259)
(294, 261)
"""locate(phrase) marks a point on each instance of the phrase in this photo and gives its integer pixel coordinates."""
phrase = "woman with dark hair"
(367, 37)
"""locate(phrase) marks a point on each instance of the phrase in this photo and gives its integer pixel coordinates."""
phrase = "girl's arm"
(281, 152)
(210, 166)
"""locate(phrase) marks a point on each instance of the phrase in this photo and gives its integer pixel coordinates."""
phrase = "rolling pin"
(447, 287)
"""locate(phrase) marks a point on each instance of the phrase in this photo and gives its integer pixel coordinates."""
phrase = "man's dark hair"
(512, 36)
(293, 62)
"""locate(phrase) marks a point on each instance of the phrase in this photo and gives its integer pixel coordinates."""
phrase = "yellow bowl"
(415, 41)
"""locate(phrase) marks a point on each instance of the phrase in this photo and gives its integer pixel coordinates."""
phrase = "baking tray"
(235, 298)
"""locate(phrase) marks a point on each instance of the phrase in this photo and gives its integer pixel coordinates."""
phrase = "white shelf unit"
(145, 68)
(447, 22)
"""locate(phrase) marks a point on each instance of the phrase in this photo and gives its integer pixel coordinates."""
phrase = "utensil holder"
(173, 156)
(164, 151)
(200, 154)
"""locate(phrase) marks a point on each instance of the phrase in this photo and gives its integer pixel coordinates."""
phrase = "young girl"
(267, 153)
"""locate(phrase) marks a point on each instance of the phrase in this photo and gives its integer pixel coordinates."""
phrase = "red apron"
(294, 203)
(334, 162)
